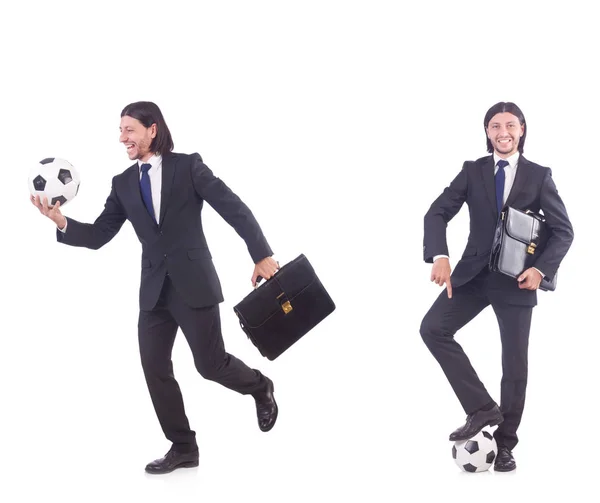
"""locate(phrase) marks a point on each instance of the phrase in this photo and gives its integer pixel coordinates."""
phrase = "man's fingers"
(449, 288)
(529, 280)
(525, 285)
(56, 209)
(35, 200)
(258, 276)
(524, 280)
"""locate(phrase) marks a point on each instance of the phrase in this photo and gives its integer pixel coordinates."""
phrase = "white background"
(338, 123)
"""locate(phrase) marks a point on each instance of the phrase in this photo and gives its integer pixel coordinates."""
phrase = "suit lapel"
(520, 180)
(168, 173)
(487, 173)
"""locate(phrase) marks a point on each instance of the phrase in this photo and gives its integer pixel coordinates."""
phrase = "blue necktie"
(146, 190)
(500, 178)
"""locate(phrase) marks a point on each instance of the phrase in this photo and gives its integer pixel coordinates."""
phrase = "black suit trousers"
(201, 327)
(447, 316)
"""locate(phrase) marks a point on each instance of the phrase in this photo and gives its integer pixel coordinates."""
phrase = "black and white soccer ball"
(476, 454)
(54, 178)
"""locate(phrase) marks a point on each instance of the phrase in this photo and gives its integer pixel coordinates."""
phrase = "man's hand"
(530, 279)
(53, 213)
(266, 268)
(440, 274)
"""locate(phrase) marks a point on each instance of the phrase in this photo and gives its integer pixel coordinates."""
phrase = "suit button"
(161, 233)
(165, 255)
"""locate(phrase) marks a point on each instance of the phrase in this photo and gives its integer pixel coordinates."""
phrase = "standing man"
(486, 185)
(162, 195)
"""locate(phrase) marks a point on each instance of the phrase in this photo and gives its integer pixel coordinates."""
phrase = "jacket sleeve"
(227, 204)
(561, 230)
(99, 233)
(441, 211)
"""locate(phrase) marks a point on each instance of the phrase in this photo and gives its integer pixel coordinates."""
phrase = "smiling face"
(504, 132)
(137, 138)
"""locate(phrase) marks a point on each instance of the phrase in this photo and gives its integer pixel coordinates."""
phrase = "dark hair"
(148, 113)
(511, 108)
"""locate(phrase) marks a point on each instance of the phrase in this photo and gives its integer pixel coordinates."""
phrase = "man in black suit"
(162, 195)
(486, 185)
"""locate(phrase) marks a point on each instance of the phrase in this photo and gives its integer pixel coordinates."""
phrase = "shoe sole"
(187, 464)
(504, 470)
(493, 423)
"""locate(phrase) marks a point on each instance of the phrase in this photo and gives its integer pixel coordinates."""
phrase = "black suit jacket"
(533, 189)
(177, 244)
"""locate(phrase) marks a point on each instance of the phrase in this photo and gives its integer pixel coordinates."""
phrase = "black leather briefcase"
(520, 238)
(278, 313)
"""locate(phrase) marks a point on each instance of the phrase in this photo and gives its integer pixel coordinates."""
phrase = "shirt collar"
(513, 160)
(155, 161)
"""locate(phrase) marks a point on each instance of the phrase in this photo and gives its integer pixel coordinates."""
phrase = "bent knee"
(430, 328)
(210, 369)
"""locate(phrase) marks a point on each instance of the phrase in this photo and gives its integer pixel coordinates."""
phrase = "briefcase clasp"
(531, 248)
(287, 307)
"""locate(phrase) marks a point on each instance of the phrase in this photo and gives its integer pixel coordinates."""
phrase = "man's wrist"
(541, 273)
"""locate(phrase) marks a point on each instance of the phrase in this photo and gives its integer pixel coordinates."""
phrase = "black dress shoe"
(505, 461)
(173, 460)
(476, 422)
(266, 407)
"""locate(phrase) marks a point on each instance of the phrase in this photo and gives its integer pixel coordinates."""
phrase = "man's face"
(137, 138)
(505, 131)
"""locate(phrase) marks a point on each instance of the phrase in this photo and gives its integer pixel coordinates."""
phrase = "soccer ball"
(475, 454)
(55, 179)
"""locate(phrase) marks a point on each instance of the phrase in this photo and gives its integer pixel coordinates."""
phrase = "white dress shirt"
(155, 174)
(510, 172)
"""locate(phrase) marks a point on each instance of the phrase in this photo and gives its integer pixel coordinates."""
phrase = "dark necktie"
(146, 190)
(500, 178)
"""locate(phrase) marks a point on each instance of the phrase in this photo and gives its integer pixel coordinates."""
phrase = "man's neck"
(505, 156)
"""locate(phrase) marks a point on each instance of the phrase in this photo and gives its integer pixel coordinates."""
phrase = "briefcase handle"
(535, 215)
(260, 278)
(285, 303)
